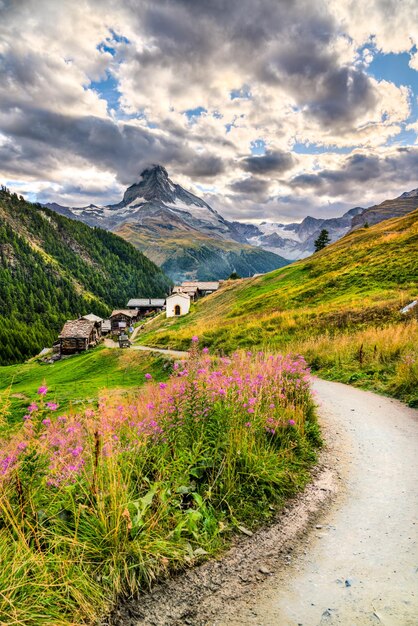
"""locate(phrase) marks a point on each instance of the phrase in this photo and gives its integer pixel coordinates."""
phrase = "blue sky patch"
(313, 148)
(258, 147)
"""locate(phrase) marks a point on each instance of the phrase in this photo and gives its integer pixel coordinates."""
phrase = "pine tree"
(322, 240)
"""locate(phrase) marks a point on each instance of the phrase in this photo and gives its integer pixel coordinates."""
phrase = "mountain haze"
(189, 239)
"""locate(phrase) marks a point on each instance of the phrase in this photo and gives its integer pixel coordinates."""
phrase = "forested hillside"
(53, 268)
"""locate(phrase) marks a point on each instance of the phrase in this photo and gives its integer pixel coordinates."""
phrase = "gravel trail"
(343, 553)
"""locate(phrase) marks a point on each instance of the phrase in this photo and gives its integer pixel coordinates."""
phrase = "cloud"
(276, 162)
(300, 66)
(394, 169)
(251, 186)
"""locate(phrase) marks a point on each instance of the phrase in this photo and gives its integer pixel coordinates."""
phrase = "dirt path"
(177, 354)
(344, 556)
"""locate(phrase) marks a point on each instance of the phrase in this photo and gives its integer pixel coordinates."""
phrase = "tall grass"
(103, 502)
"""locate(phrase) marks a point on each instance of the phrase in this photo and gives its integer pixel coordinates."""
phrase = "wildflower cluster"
(264, 395)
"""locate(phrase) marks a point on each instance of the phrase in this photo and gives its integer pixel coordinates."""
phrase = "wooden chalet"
(122, 319)
(77, 336)
(196, 289)
(145, 306)
(98, 322)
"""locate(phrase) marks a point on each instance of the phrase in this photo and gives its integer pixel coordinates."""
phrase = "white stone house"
(177, 304)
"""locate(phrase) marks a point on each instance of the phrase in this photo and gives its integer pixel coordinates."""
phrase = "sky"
(269, 109)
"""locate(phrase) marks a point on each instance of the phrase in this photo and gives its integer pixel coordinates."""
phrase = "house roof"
(203, 285)
(78, 329)
(145, 302)
(91, 317)
(189, 290)
(127, 312)
(179, 295)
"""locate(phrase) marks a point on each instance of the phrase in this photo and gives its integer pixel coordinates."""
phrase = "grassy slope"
(326, 306)
(78, 378)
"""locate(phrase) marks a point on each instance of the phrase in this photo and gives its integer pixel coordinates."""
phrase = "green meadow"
(78, 379)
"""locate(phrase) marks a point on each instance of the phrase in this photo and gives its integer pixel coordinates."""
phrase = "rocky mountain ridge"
(160, 217)
(177, 230)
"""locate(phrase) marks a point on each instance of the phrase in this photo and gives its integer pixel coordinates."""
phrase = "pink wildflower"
(291, 422)
(148, 376)
(195, 339)
(163, 385)
(52, 406)
(205, 350)
(43, 390)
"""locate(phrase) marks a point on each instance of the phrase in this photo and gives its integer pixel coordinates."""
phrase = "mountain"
(397, 207)
(53, 268)
(296, 240)
(177, 230)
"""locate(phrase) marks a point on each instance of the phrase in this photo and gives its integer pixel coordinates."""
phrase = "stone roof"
(78, 329)
(202, 285)
(127, 312)
(179, 295)
(91, 317)
(144, 302)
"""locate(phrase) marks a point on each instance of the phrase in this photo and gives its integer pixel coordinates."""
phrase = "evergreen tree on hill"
(322, 241)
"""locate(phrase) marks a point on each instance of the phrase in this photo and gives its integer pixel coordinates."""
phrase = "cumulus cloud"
(393, 168)
(271, 162)
(92, 92)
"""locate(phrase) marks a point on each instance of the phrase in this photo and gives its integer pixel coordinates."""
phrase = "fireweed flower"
(195, 339)
(205, 350)
(273, 387)
(43, 390)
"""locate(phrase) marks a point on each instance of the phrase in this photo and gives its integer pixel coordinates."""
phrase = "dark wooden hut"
(122, 319)
(77, 336)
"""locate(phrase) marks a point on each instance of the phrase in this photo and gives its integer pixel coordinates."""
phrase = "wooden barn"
(77, 336)
(122, 319)
(98, 322)
(145, 306)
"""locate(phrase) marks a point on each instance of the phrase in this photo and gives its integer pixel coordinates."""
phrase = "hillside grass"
(78, 379)
(103, 501)
(340, 308)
